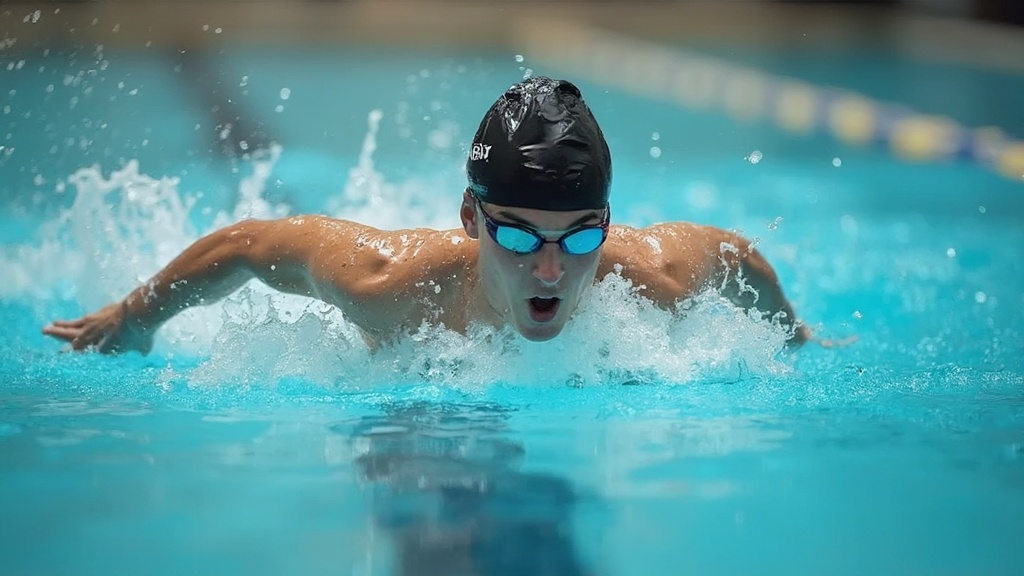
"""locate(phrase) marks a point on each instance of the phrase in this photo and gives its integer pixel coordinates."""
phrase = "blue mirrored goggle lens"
(583, 241)
(516, 240)
(524, 242)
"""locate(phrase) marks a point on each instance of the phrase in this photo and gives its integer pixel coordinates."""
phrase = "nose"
(548, 265)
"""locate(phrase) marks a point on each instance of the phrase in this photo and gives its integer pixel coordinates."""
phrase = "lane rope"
(696, 81)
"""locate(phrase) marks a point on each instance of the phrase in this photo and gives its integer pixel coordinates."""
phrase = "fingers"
(69, 323)
(80, 338)
(99, 331)
(839, 342)
(66, 333)
(64, 329)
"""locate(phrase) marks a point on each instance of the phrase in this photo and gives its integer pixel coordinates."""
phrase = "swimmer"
(535, 236)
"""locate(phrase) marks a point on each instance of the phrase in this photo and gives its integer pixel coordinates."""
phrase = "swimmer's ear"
(468, 215)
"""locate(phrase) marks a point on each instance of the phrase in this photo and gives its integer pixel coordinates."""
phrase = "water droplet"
(655, 136)
(286, 93)
(951, 252)
(218, 30)
(755, 157)
(655, 152)
(206, 27)
(279, 108)
(981, 209)
(980, 297)
(837, 162)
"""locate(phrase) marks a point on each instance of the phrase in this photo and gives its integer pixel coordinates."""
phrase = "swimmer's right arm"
(278, 252)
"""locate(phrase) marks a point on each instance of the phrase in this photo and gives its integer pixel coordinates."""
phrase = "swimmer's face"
(536, 293)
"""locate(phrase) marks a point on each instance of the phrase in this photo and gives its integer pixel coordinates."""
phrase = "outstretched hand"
(105, 331)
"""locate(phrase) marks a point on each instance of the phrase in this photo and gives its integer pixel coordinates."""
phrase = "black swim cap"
(539, 146)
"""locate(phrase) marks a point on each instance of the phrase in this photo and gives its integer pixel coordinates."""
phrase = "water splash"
(116, 233)
(121, 229)
(368, 197)
(615, 337)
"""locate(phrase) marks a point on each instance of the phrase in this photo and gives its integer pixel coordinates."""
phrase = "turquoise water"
(261, 437)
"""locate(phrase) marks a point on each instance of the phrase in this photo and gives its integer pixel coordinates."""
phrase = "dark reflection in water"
(448, 490)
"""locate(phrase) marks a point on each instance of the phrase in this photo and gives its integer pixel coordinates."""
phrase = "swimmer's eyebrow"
(578, 222)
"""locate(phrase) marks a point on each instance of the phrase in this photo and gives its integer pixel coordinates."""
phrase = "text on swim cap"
(479, 151)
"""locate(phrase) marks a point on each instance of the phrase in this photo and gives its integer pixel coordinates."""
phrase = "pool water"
(262, 437)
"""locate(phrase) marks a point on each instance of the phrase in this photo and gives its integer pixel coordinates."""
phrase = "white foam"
(615, 337)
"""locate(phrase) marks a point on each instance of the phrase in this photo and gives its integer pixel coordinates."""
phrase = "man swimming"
(535, 236)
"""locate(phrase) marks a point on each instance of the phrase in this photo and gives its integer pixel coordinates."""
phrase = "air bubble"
(754, 157)
(655, 152)
(837, 162)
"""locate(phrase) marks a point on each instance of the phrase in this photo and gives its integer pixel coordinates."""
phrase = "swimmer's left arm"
(749, 281)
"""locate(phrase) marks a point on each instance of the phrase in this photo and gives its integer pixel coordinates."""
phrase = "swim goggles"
(521, 239)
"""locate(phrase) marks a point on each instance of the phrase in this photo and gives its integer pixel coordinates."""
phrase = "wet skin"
(389, 282)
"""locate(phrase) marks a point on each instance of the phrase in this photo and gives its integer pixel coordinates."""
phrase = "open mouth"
(543, 309)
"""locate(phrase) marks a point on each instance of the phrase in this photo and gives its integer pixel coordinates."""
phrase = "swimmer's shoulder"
(672, 259)
(384, 258)
(664, 241)
(445, 257)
